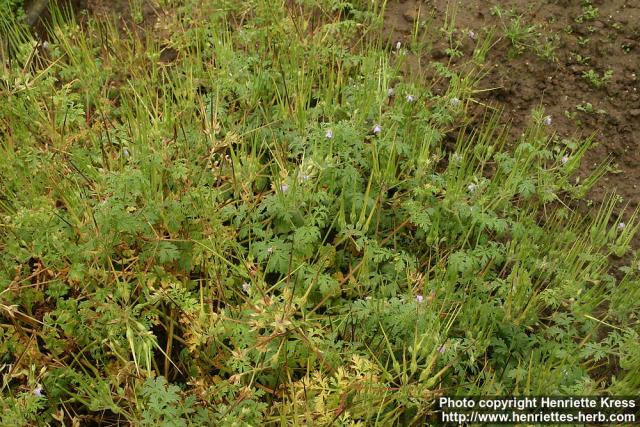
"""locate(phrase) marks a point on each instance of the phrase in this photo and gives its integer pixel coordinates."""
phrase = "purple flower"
(377, 129)
(410, 98)
(621, 226)
(419, 298)
(329, 134)
(390, 92)
(126, 153)
(38, 391)
(548, 120)
(441, 349)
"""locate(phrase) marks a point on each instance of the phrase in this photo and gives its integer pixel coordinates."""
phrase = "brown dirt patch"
(610, 41)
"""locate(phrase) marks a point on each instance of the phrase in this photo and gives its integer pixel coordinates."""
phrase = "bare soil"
(523, 82)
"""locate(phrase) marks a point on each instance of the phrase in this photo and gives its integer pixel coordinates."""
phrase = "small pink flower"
(377, 129)
(329, 134)
(38, 391)
(390, 92)
(410, 98)
(419, 298)
(441, 349)
(548, 120)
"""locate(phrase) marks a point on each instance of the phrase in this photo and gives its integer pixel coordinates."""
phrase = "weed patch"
(272, 226)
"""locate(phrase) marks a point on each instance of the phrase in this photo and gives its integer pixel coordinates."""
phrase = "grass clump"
(258, 231)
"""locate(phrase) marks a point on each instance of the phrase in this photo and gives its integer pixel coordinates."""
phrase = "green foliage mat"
(275, 225)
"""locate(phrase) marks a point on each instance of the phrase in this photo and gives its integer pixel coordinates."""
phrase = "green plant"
(13, 30)
(448, 28)
(589, 13)
(585, 107)
(547, 49)
(582, 60)
(136, 10)
(13, 11)
(484, 44)
(520, 35)
(272, 227)
(582, 40)
(523, 36)
(571, 115)
(597, 80)
(617, 26)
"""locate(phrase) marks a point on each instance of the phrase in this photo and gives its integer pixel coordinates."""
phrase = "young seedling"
(596, 80)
